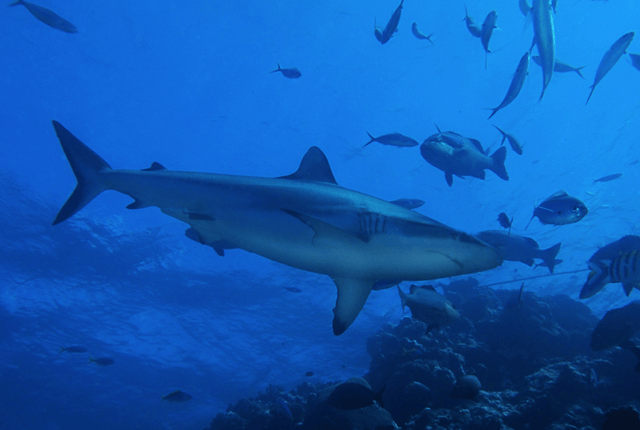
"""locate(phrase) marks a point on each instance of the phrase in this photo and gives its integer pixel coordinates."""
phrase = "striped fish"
(624, 269)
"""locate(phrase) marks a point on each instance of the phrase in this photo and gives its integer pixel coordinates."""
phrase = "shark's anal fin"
(218, 245)
(352, 295)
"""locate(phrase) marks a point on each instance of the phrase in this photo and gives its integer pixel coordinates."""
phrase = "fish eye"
(575, 209)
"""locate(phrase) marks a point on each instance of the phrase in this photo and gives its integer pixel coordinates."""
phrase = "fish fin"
(352, 295)
(326, 229)
(403, 298)
(498, 167)
(477, 144)
(532, 217)
(373, 139)
(16, 3)
(495, 111)
(449, 178)
(218, 250)
(378, 396)
(138, 204)
(504, 135)
(414, 204)
(193, 234)
(629, 286)
(313, 167)
(428, 288)
(577, 70)
(154, 167)
(88, 168)
(549, 256)
(413, 288)
(556, 195)
(528, 261)
(593, 87)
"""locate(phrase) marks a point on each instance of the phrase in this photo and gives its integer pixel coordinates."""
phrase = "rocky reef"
(530, 354)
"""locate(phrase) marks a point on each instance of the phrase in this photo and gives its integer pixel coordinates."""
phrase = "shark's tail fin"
(498, 167)
(549, 256)
(16, 3)
(87, 166)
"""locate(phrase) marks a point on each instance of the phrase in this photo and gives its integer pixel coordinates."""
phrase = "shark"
(304, 220)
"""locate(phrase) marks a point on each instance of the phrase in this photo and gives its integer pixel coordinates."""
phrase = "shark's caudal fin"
(86, 165)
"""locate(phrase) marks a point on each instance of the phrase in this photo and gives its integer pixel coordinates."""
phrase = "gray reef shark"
(304, 220)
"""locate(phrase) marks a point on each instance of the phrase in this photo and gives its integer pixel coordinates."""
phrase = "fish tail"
(577, 70)
(91, 360)
(373, 139)
(549, 256)
(88, 168)
(593, 87)
(429, 38)
(276, 70)
(62, 350)
(16, 3)
(498, 167)
(599, 272)
(495, 111)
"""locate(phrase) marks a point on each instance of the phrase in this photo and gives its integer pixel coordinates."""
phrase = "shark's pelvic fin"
(352, 294)
(87, 166)
(154, 166)
(313, 167)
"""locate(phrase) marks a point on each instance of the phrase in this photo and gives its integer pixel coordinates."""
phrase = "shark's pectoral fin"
(352, 294)
(449, 178)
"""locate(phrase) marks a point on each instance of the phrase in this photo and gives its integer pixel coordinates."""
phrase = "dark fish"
(624, 269)
(559, 209)
(417, 34)
(524, 249)
(467, 387)
(288, 73)
(516, 85)
(47, 16)
(308, 374)
(635, 60)
(515, 302)
(462, 156)
(544, 39)
(524, 6)
(610, 59)
(102, 361)
(393, 139)
(471, 25)
(606, 254)
(428, 306)
(616, 327)
(392, 26)
(408, 203)
(515, 145)
(560, 67)
(285, 408)
(293, 289)
(487, 30)
(75, 349)
(354, 394)
(177, 397)
(504, 220)
(608, 178)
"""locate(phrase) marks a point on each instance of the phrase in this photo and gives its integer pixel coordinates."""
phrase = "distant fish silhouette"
(292, 73)
(544, 38)
(392, 26)
(473, 28)
(418, 35)
(104, 361)
(515, 145)
(76, 349)
(293, 289)
(487, 30)
(610, 59)
(608, 178)
(393, 139)
(561, 67)
(177, 397)
(516, 85)
(47, 16)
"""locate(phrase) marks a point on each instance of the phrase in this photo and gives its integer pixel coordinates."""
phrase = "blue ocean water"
(188, 85)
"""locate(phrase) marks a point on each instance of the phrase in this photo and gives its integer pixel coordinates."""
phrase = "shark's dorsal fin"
(313, 167)
(154, 166)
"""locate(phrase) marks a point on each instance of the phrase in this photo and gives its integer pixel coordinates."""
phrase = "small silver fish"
(544, 39)
(417, 34)
(392, 26)
(608, 178)
(473, 28)
(292, 73)
(48, 17)
(559, 209)
(560, 67)
(610, 59)
(393, 139)
(516, 84)
(515, 144)
(488, 26)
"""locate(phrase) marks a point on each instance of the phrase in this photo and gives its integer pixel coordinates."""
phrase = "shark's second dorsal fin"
(313, 167)
(154, 166)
